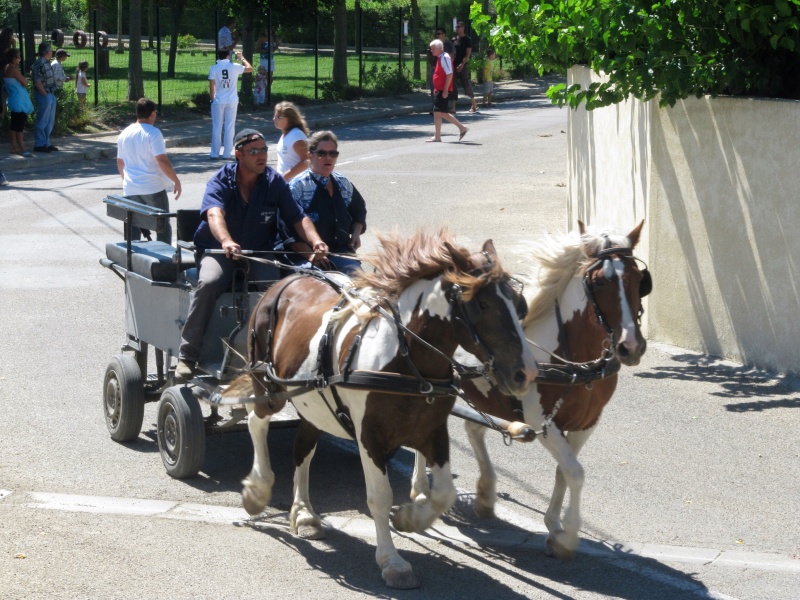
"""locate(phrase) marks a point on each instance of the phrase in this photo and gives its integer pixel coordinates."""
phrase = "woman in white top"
(293, 145)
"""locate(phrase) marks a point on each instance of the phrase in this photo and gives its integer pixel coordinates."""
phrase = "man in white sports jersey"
(222, 86)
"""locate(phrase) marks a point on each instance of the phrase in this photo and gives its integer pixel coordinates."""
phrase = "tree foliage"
(669, 49)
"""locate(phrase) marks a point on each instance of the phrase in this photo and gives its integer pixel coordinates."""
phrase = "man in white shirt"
(222, 86)
(142, 162)
(58, 68)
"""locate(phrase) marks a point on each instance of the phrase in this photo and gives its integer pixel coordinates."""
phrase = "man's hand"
(177, 189)
(355, 241)
(231, 248)
(319, 257)
(459, 67)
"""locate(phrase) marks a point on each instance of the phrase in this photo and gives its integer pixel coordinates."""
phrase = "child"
(58, 69)
(260, 89)
(82, 83)
(488, 84)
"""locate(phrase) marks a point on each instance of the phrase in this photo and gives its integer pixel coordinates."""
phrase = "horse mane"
(559, 259)
(401, 261)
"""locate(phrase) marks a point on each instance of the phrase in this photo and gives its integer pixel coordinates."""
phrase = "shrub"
(672, 49)
(386, 80)
(202, 102)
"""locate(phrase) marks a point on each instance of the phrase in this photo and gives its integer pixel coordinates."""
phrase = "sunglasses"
(256, 151)
(324, 153)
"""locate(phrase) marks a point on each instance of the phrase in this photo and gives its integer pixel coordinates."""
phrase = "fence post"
(271, 55)
(360, 43)
(158, 52)
(400, 44)
(21, 40)
(96, 61)
(316, 55)
(216, 34)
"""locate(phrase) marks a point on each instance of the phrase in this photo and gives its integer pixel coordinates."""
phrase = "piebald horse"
(584, 313)
(390, 373)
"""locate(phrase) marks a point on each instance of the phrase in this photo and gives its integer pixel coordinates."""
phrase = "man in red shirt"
(442, 86)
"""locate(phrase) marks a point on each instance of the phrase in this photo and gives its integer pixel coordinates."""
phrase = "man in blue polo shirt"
(241, 210)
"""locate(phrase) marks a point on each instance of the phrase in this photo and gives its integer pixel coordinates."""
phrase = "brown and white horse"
(436, 297)
(585, 309)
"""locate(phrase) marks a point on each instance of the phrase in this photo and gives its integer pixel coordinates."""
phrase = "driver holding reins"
(241, 210)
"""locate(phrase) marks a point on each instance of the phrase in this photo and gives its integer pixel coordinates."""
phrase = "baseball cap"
(245, 136)
(62, 52)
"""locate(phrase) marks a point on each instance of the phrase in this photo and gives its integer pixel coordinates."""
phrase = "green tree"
(670, 49)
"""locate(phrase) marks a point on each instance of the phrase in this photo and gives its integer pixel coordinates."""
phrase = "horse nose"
(526, 375)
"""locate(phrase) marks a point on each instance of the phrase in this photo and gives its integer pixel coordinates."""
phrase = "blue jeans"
(45, 119)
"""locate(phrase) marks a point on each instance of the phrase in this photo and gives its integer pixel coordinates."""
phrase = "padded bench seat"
(152, 260)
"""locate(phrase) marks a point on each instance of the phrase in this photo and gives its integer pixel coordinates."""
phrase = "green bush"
(672, 49)
(202, 102)
(386, 80)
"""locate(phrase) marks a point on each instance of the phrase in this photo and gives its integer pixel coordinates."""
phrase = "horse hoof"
(253, 505)
(556, 549)
(400, 580)
(402, 521)
(484, 511)
(310, 531)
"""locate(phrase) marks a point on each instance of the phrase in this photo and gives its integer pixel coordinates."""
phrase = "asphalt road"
(692, 478)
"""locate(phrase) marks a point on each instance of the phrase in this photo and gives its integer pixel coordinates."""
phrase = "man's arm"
(219, 229)
(447, 81)
(121, 167)
(166, 166)
(248, 68)
(37, 80)
(212, 89)
(466, 59)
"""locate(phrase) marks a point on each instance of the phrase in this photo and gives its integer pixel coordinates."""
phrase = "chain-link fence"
(385, 50)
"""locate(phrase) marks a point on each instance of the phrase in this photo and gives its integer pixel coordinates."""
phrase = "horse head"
(487, 311)
(615, 286)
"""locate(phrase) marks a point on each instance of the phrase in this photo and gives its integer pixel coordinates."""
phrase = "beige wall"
(719, 182)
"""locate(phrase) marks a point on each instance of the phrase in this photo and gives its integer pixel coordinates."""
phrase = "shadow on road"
(734, 382)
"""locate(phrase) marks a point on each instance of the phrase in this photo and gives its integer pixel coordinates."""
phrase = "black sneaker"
(41, 149)
(52, 149)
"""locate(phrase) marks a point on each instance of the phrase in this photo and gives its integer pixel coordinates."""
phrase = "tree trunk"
(27, 33)
(151, 23)
(135, 75)
(120, 46)
(251, 11)
(177, 15)
(416, 38)
(340, 42)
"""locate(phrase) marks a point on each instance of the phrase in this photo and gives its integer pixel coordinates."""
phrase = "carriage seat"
(153, 260)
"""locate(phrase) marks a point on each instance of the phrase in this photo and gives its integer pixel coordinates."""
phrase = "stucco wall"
(718, 181)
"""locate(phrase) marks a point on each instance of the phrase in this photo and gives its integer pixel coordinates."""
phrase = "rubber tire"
(123, 398)
(181, 432)
(57, 37)
(79, 39)
(102, 39)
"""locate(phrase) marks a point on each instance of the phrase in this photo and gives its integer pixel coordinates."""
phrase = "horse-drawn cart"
(159, 280)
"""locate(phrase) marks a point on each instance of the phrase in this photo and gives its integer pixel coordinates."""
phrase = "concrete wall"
(718, 181)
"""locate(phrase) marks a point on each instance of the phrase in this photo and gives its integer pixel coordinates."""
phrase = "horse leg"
(562, 539)
(419, 481)
(257, 490)
(486, 490)
(305, 523)
(396, 572)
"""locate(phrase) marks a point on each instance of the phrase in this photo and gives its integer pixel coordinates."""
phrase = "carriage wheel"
(123, 398)
(181, 432)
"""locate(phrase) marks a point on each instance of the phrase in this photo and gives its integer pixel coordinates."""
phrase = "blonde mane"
(558, 260)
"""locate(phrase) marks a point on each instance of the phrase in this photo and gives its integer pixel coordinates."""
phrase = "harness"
(391, 383)
(607, 364)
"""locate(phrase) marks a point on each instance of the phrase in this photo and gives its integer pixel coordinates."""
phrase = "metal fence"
(380, 52)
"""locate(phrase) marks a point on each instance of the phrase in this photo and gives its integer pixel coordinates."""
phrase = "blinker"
(646, 284)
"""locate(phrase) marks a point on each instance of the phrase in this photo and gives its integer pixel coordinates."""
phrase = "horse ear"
(460, 258)
(581, 227)
(488, 247)
(633, 236)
